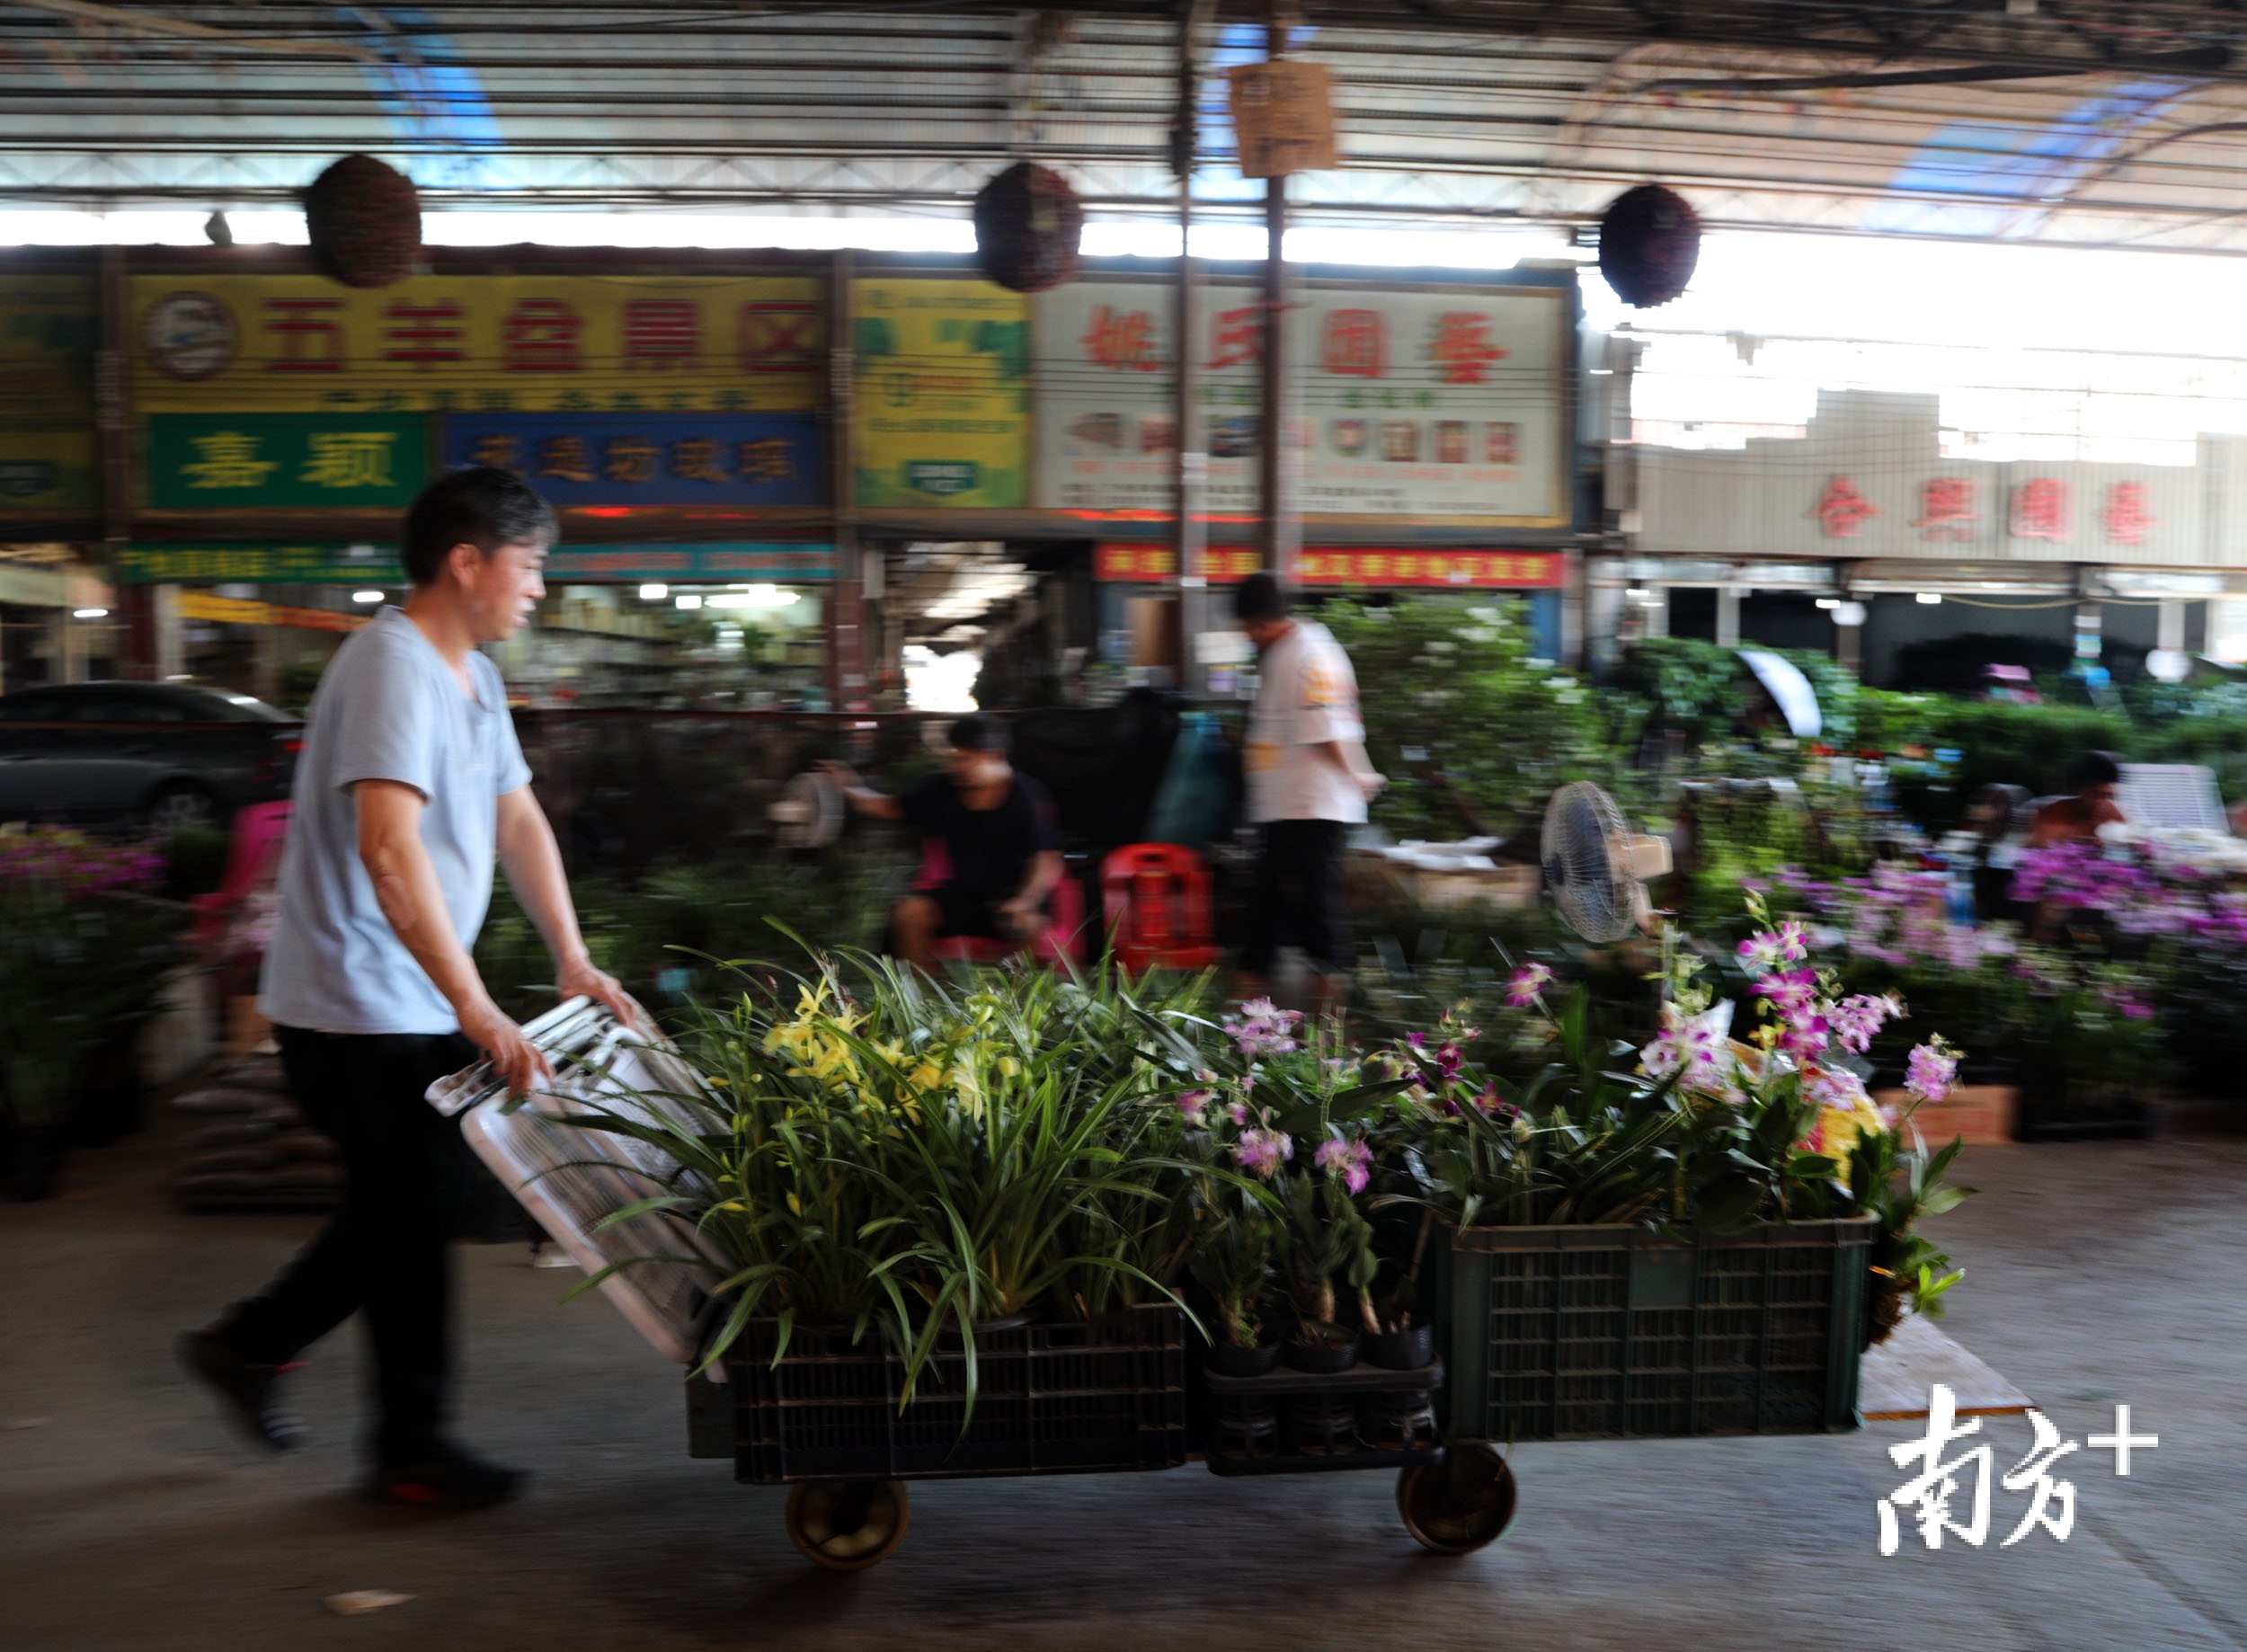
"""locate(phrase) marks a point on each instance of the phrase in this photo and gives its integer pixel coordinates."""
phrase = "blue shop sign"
(633, 458)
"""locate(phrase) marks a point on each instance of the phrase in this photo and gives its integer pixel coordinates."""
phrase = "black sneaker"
(450, 1478)
(251, 1391)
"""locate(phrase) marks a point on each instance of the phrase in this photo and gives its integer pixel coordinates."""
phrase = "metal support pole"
(1189, 533)
(135, 620)
(1574, 605)
(845, 639)
(1280, 538)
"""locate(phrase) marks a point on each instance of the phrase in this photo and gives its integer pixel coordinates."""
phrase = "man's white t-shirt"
(1306, 696)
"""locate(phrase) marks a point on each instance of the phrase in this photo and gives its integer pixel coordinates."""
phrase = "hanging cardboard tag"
(1284, 112)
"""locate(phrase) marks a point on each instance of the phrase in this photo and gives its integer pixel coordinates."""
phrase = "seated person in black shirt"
(999, 831)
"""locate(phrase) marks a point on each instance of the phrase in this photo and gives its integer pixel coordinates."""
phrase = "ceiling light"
(1931, 597)
(1638, 593)
(654, 594)
(366, 595)
(690, 600)
(89, 613)
(1829, 602)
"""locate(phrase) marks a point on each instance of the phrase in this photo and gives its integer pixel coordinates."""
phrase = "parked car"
(161, 755)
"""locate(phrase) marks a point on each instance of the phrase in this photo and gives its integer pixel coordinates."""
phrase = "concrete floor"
(129, 1516)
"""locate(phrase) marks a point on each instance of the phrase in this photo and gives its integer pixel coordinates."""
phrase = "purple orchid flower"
(1353, 1162)
(1930, 1072)
(1261, 1152)
(1525, 983)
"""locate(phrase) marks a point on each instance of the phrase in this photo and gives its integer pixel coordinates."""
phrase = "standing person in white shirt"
(1309, 783)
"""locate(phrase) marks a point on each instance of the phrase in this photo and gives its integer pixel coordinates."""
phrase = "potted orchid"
(1734, 1113)
(1293, 1109)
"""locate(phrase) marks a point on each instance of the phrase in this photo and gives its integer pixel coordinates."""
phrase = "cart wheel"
(847, 1525)
(1458, 1503)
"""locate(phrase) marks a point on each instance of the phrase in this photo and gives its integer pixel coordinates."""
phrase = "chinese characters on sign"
(608, 459)
(1121, 341)
(1933, 1498)
(496, 343)
(1356, 344)
(2040, 510)
(774, 561)
(141, 564)
(1457, 569)
(1436, 405)
(1462, 349)
(1946, 509)
(1841, 509)
(267, 460)
(2128, 515)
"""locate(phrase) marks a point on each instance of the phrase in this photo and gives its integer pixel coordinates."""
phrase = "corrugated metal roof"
(1798, 116)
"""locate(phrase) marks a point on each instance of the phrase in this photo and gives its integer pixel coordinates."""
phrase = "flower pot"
(1229, 1359)
(1402, 1350)
(1321, 1358)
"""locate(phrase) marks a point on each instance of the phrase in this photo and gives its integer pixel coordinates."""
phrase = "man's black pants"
(1299, 897)
(411, 1191)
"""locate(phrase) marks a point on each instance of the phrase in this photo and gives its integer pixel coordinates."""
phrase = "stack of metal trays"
(571, 1177)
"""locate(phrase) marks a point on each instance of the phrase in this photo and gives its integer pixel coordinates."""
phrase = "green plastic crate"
(1576, 1333)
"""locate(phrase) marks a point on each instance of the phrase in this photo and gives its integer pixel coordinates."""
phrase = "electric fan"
(810, 813)
(1596, 866)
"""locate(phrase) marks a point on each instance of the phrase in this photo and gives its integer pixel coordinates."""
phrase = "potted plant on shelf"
(1277, 1086)
(1328, 1245)
(1232, 1237)
(1403, 1338)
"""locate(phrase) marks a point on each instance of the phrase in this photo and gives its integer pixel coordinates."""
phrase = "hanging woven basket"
(1027, 223)
(1650, 242)
(364, 220)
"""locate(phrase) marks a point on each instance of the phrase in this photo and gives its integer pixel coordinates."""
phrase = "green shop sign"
(256, 564)
(199, 461)
(943, 479)
(782, 562)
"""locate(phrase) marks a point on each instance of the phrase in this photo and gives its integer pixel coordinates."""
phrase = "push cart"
(1126, 1391)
